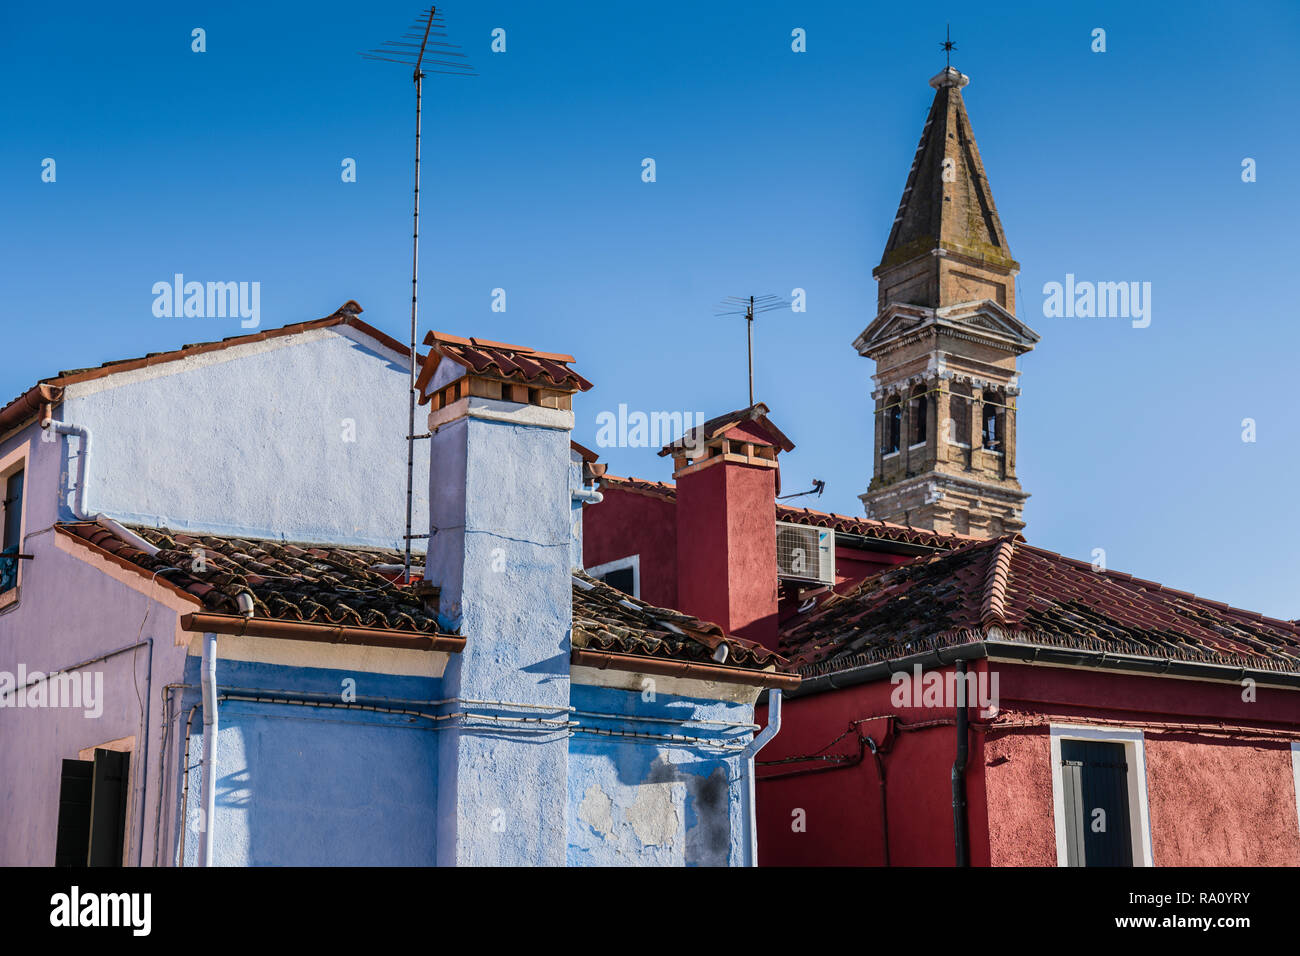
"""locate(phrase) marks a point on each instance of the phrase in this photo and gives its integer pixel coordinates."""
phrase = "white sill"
(990, 451)
(958, 444)
(891, 454)
(920, 444)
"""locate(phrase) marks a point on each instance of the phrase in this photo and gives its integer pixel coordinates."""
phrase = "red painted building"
(965, 697)
(1199, 702)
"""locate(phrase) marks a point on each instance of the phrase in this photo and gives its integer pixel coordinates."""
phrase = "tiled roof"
(755, 414)
(655, 489)
(871, 528)
(1032, 596)
(337, 585)
(312, 583)
(606, 619)
(513, 363)
(866, 527)
(22, 408)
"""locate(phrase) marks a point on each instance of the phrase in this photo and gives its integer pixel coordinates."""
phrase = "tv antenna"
(424, 57)
(750, 306)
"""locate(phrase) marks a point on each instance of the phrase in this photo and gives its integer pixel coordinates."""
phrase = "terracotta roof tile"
(606, 619)
(1034, 596)
(665, 490)
(337, 585)
(515, 363)
(865, 527)
(755, 414)
(322, 584)
(872, 528)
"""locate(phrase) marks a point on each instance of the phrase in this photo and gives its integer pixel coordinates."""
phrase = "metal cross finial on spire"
(948, 46)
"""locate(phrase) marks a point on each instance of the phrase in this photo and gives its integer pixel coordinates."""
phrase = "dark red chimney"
(727, 480)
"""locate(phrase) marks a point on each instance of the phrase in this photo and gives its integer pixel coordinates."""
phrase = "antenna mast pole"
(415, 282)
(444, 60)
(749, 325)
(749, 307)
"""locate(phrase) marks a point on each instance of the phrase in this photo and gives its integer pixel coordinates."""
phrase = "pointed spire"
(945, 341)
(947, 203)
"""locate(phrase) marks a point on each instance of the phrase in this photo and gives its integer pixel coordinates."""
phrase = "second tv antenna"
(750, 306)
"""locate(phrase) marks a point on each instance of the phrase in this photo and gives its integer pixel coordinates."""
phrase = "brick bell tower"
(945, 342)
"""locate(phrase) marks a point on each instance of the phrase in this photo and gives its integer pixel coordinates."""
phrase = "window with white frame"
(624, 574)
(1099, 796)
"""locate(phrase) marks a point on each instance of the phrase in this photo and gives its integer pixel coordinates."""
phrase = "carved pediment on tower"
(984, 320)
(989, 320)
(895, 322)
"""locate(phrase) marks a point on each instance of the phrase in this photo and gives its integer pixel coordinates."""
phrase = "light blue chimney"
(499, 550)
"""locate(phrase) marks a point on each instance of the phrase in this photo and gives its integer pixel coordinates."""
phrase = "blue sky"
(775, 171)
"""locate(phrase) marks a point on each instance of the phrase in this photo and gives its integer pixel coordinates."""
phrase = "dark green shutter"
(10, 531)
(1094, 775)
(75, 786)
(108, 807)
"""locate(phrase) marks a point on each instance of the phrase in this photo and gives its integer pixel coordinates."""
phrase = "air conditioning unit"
(805, 553)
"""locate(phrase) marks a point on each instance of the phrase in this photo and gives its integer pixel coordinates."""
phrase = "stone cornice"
(934, 479)
(933, 376)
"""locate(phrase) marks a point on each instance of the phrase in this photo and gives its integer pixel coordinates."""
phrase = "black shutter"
(623, 579)
(73, 843)
(1094, 776)
(108, 808)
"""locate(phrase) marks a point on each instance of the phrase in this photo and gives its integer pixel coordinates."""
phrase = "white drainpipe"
(125, 534)
(209, 682)
(749, 753)
(83, 461)
(83, 478)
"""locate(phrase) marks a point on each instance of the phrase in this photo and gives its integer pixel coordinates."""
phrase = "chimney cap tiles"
(501, 361)
(716, 428)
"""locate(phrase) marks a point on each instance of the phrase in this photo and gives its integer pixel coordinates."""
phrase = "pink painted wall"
(1213, 800)
(1222, 803)
(1017, 774)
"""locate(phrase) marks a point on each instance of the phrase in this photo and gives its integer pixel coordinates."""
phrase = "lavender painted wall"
(50, 631)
